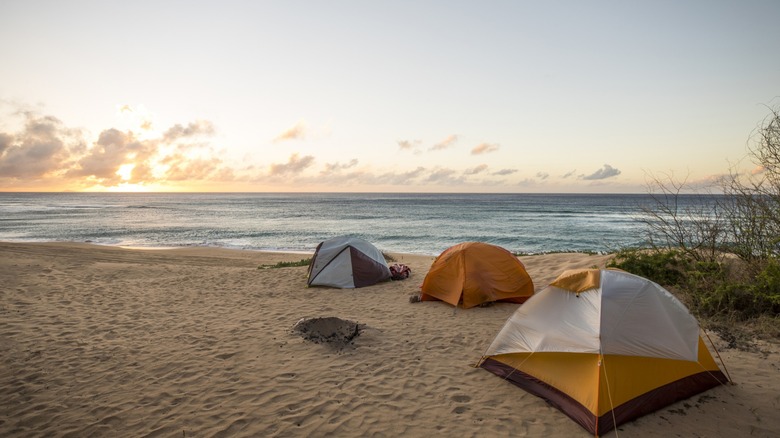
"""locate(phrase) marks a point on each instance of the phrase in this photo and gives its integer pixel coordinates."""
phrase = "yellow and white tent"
(604, 347)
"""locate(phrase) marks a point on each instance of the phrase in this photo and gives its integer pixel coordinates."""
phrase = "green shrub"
(716, 292)
(302, 262)
(766, 288)
(663, 267)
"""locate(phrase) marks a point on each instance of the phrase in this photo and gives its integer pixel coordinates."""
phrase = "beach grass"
(302, 262)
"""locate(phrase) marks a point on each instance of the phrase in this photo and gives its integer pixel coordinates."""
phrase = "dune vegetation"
(721, 258)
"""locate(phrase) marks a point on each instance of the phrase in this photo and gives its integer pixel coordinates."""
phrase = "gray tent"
(347, 262)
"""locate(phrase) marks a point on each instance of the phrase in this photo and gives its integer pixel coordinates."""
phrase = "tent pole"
(603, 363)
(718, 353)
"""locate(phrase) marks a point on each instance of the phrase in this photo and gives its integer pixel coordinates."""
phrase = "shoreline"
(271, 250)
(420, 224)
(196, 341)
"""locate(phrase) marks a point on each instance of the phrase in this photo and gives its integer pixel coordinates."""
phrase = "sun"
(125, 171)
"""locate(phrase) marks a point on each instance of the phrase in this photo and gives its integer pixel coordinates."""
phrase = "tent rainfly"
(474, 273)
(347, 262)
(604, 347)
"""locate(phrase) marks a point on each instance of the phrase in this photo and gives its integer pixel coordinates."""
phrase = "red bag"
(399, 271)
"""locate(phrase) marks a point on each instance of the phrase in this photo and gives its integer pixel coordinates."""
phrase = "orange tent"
(474, 273)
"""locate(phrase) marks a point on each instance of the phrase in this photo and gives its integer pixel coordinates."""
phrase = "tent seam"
(329, 262)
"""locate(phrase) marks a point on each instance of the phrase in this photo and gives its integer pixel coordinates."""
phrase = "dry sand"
(104, 341)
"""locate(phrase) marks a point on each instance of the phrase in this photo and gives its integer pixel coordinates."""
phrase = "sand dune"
(105, 341)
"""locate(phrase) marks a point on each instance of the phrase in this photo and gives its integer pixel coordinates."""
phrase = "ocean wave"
(414, 223)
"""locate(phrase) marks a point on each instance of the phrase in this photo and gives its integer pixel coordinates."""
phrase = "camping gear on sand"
(400, 271)
(347, 262)
(604, 347)
(475, 273)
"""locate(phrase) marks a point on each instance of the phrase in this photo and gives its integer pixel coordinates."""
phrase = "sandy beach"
(106, 341)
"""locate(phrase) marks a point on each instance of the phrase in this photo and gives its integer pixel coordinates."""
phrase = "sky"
(395, 96)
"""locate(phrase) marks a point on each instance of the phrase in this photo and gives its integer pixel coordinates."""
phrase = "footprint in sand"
(460, 410)
(460, 399)
(286, 376)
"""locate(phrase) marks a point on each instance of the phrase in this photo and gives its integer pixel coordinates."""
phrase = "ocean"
(410, 223)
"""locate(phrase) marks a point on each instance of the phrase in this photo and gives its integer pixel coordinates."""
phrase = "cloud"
(46, 154)
(708, 182)
(445, 144)
(475, 170)
(605, 172)
(368, 178)
(112, 150)
(295, 133)
(133, 117)
(337, 167)
(399, 179)
(43, 147)
(5, 142)
(184, 169)
(294, 165)
(528, 182)
(418, 177)
(414, 173)
(43, 153)
(484, 148)
(758, 170)
(176, 132)
(569, 174)
(444, 177)
(407, 145)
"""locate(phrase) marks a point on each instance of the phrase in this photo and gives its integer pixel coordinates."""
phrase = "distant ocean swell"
(413, 223)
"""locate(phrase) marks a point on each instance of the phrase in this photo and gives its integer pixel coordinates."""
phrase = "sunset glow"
(124, 187)
(501, 97)
(125, 171)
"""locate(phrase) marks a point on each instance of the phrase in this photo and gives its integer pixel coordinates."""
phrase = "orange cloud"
(112, 150)
(46, 154)
(184, 169)
(444, 144)
(484, 148)
(44, 148)
(296, 132)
